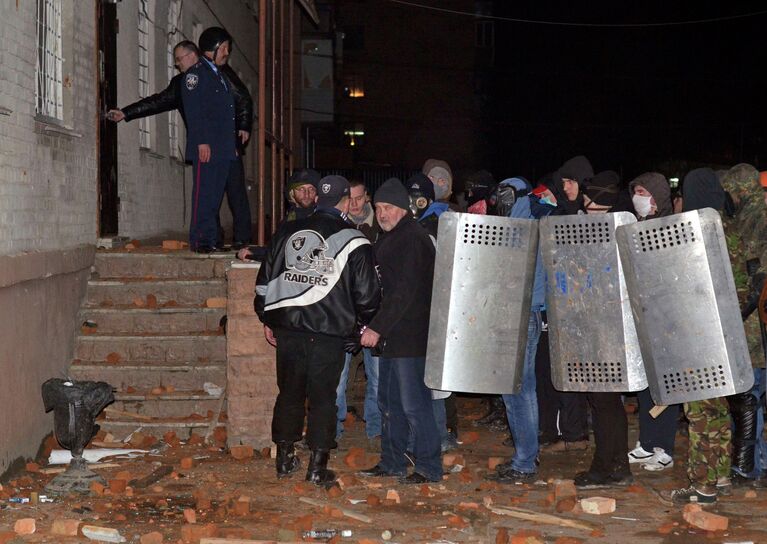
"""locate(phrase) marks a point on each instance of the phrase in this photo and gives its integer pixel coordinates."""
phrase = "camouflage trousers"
(710, 450)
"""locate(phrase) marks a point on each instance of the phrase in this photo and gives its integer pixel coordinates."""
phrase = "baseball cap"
(331, 189)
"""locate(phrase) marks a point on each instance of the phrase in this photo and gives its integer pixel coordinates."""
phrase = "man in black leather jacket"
(186, 54)
(315, 288)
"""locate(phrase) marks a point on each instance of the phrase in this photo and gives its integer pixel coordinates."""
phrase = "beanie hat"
(421, 184)
(603, 188)
(393, 192)
(304, 176)
(331, 190)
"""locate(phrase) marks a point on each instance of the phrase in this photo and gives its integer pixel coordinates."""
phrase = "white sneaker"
(640, 455)
(659, 461)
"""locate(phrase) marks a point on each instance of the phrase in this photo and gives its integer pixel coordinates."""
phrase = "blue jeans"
(372, 413)
(405, 404)
(440, 418)
(522, 407)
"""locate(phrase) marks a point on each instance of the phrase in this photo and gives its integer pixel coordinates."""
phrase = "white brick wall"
(47, 181)
(154, 188)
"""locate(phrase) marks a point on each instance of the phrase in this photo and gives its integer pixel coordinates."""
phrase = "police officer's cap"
(212, 38)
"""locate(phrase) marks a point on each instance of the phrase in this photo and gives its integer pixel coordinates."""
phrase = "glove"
(352, 344)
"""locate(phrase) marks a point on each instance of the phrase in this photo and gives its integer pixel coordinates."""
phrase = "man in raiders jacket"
(317, 287)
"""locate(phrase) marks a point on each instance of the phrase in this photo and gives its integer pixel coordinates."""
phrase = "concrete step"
(151, 347)
(140, 375)
(153, 263)
(124, 292)
(179, 404)
(121, 428)
(154, 320)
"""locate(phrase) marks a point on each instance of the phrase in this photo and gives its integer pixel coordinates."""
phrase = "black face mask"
(419, 203)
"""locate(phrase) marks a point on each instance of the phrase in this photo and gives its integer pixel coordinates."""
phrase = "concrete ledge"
(44, 264)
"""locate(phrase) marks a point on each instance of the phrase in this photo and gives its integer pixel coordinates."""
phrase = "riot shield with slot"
(592, 337)
(685, 307)
(480, 307)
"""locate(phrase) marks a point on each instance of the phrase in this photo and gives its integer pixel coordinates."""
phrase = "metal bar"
(281, 172)
(273, 87)
(291, 90)
(261, 120)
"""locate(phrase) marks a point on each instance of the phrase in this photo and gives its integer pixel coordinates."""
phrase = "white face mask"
(642, 205)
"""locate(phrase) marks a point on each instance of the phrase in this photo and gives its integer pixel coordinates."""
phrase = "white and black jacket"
(318, 276)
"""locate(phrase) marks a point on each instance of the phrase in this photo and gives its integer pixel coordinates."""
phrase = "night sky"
(630, 99)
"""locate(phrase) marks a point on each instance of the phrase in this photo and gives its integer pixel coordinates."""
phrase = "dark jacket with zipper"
(318, 276)
(170, 99)
(405, 257)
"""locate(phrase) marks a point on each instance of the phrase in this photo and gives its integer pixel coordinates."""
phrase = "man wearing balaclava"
(441, 176)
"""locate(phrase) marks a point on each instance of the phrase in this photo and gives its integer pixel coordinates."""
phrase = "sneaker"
(514, 477)
(659, 461)
(690, 494)
(640, 455)
(450, 443)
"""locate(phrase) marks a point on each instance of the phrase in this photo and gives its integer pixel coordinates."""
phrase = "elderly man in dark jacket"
(405, 256)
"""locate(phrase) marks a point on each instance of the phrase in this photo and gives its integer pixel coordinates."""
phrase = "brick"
(392, 495)
(216, 302)
(151, 538)
(174, 244)
(697, 517)
(451, 459)
(356, 458)
(190, 516)
(469, 437)
(187, 463)
(564, 489)
(25, 526)
(192, 533)
(598, 505)
(65, 527)
(241, 452)
(242, 506)
(373, 500)
(118, 485)
(566, 504)
(7, 536)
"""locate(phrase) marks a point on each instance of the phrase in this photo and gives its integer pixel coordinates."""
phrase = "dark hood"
(660, 190)
(702, 189)
(578, 168)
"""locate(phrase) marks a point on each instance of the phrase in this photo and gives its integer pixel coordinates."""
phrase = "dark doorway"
(107, 134)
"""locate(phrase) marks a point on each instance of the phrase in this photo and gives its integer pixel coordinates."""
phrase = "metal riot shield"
(592, 336)
(685, 307)
(480, 306)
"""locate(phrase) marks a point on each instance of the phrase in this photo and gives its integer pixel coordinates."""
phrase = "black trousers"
(659, 432)
(570, 407)
(237, 198)
(611, 434)
(308, 367)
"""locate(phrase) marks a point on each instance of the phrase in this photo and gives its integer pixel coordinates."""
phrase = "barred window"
(145, 136)
(49, 91)
(174, 19)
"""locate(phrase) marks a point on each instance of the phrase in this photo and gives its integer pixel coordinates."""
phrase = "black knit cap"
(393, 192)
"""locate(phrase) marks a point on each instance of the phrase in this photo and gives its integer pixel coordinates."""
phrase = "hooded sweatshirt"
(702, 189)
(659, 188)
(579, 169)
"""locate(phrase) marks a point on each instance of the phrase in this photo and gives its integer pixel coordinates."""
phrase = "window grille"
(174, 18)
(145, 136)
(49, 90)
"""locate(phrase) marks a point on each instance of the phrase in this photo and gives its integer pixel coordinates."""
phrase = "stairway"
(146, 329)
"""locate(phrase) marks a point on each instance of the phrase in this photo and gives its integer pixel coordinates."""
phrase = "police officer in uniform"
(212, 139)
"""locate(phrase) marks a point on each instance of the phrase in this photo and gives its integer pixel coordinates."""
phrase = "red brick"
(242, 506)
(65, 527)
(705, 520)
(470, 437)
(151, 538)
(373, 500)
(97, 488)
(191, 534)
(190, 515)
(241, 452)
(117, 486)
(502, 536)
(598, 505)
(566, 505)
(450, 459)
(6, 536)
(187, 463)
(564, 489)
(25, 526)
(493, 462)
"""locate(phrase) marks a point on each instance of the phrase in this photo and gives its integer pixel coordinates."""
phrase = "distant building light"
(674, 180)
(354, 132)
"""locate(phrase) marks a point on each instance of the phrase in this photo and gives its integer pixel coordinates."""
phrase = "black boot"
(743, 408)
(286, 461)
(317, 472)
(496, 413)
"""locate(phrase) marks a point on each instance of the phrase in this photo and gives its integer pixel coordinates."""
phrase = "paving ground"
(242, 499)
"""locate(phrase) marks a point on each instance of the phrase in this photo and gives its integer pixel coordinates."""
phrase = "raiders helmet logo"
(298, 242)
(191, 81)
(326, 188)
